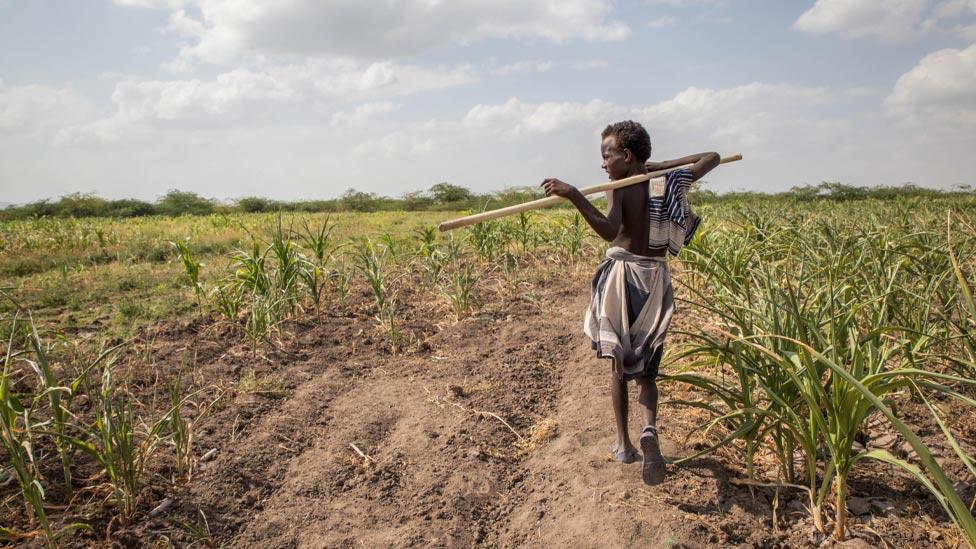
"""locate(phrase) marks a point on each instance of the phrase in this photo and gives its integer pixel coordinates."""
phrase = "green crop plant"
(113, 441)
(511, 270)
(391, 245)
(426, 238)
(16, 422)
(181, 430)
(432, 258)
(251, 269)
(288, 267)
(371, 262)
(191, 267)
(460, 283)
(262, 320)
(572, 236)
(60, 395)
(318, 239)
(805, 327)
(18, 430)
(228, 299)
(965, 324)
(521, 229)
(314, 278)
(339, 279)
(487, 239)
(840, 406)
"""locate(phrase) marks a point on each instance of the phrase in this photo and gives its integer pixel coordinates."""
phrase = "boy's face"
(616, 161)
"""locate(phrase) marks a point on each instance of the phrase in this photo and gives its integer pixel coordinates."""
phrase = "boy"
(632, 300)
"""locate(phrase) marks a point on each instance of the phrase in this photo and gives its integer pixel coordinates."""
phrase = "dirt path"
(444, 466)
(494, 431)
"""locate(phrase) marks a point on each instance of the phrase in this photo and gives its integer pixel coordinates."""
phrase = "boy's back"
(633, 232)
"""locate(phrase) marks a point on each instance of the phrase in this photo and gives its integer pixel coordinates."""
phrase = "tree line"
(442, 196)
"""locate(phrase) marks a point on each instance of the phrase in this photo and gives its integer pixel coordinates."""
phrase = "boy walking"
(631, 296)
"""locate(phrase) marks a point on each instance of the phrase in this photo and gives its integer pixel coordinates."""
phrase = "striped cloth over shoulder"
(672, 222)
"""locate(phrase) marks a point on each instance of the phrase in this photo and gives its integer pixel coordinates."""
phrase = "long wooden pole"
(552, 200)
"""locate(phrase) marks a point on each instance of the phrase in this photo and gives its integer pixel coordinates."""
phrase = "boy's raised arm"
(702, 164)
(606, 226)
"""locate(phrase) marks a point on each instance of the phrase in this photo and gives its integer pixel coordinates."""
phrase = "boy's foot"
(627, 455)
(653, 467)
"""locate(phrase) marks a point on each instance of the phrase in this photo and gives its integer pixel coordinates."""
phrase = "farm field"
(259, 380)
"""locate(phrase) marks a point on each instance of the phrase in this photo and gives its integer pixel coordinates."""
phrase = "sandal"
(623, 456)
(652, 469)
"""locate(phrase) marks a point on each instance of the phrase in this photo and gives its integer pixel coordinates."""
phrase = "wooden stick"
(552, 200)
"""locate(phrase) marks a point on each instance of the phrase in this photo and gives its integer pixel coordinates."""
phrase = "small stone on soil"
(884, 506)
(884, 441)
(859, 506)
(906, 448)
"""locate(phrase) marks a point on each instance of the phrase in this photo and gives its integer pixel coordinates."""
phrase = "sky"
(304, 99)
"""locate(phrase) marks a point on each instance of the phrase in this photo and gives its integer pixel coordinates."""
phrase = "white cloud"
(362, 114)
(940, 89)
(783, 130)
(687, 2)
(377, 30)
(515, 117)
(142, 100)
(952, 8)
(268, 97)
(153, 4)
(788, 135)
(396, 144)
(36, 110)
(888, 21)
(891, 20)
(751, 115)
(661, 22)
(590, 64)
(182, 24)
(522, 66)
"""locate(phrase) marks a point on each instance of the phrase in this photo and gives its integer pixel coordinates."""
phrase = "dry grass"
(272, 385)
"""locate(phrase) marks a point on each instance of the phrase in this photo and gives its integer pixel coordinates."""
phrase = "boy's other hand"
(653, 166)
(556, 187)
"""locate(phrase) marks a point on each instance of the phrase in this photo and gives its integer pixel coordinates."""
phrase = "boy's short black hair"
(631, 136)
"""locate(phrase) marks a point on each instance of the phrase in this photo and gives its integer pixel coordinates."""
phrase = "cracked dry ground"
(438, 425)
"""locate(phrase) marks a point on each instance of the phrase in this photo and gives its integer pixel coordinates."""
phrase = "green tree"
(129, 207)
(359, 201)
(446, 192)
(416, 201)
(81, 205)
(254, 204)
(183, 202)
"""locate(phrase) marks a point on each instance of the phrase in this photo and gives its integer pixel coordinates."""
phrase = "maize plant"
(191, 268)
(487, 240)
(16, 424)
(807, 327)
(318, 239)
(460, 282)
(115, 443)
(372, 263)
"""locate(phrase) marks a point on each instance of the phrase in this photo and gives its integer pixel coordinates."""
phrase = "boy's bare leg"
(647, 397)
(652, 468)
(618, 394)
